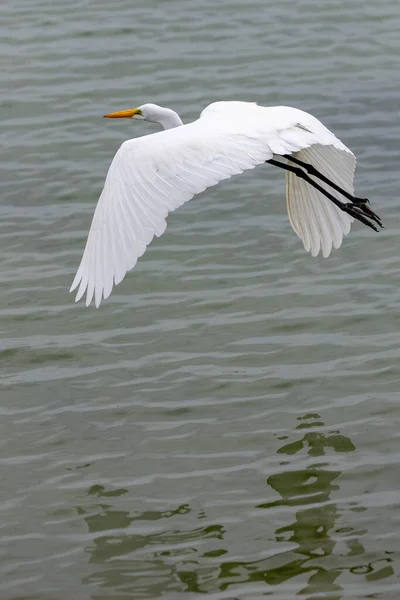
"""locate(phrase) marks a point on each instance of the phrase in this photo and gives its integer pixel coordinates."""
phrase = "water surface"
(227, 423)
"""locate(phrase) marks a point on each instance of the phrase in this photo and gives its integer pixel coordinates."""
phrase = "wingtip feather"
(318, 222)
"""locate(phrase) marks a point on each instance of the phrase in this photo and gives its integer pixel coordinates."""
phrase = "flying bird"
(152, 175)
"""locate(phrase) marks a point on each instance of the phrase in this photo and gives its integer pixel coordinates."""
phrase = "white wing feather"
(316, 220)
(153, 175)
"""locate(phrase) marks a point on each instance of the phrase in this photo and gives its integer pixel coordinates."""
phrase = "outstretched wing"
(155, 174)
(316, 220)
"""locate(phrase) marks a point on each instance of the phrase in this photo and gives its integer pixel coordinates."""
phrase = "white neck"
(169, 119)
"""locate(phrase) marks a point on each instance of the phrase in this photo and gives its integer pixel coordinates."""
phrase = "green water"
(227, 424)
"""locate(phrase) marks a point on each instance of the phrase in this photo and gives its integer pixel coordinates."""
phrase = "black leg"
(359, 212)
(311, 170)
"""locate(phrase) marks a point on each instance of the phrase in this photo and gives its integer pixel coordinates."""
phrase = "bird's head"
(166, 117)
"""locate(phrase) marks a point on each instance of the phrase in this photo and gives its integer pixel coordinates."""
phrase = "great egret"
(154, 174)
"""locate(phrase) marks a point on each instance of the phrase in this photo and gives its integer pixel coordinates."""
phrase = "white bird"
(154, 174)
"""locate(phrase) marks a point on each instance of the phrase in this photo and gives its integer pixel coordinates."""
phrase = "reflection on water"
(141, 556)
(126, 535)
(312, 527)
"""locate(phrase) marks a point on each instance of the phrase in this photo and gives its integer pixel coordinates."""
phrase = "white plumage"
(153, 175)
(319, 223)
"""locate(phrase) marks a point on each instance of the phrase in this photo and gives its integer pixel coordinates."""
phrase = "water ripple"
(227, 423)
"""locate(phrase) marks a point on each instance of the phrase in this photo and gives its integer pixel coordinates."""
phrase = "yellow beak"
(124, 114)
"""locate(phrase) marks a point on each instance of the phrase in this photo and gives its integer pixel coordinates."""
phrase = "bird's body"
(153, 175)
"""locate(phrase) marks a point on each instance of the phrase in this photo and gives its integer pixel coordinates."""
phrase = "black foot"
(357, 207)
